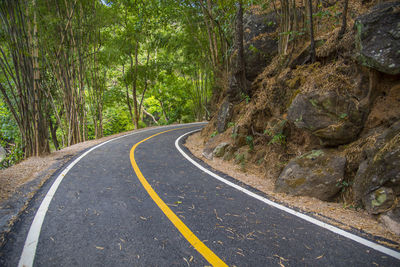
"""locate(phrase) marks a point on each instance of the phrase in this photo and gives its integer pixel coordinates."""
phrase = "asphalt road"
(103, 215)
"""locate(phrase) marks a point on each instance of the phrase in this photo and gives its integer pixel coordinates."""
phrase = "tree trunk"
(238, 83)
(134, 84)
(53, 130)
(145, 83)
(163, 110)
(344, 20)
(128, 99)
(312, 45)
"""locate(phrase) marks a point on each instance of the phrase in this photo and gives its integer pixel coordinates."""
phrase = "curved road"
(130, 204)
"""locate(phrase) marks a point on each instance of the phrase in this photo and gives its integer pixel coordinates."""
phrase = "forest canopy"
(72, 71)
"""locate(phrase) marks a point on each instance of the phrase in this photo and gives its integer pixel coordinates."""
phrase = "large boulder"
(391, 219)
(335, 119)
(219, 150)
(379, 200)
(259, 47)
(378, 38)
(381, 168)
(208, 153)
(316, 174)
(224, 115)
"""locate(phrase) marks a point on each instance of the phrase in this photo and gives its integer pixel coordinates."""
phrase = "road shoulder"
(332, 213)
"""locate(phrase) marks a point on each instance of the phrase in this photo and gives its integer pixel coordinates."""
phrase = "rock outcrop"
(391, 220)
(219, 150)
(335, 108)
(259, 48)
(224, 115)
(335, 119)
(377, 182)
(378, 38)
(382, 167)
(316, 174)
(380, 200)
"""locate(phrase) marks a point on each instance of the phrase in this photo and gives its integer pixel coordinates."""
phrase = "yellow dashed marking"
(185, 231)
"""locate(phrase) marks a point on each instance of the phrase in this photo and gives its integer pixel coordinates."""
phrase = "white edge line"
(329, 227)
(32, 239)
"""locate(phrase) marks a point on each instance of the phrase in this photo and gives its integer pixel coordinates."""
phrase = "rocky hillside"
(330, 129)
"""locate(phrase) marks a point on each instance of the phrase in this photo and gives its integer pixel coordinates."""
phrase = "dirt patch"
(386, 109)
(333, 213)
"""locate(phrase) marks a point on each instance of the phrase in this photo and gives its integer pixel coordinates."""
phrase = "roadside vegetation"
(72, 71)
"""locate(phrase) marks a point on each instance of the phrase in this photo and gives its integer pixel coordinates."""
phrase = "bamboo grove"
(63, 62)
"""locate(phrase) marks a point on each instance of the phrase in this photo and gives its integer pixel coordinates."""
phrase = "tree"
(79, 68)
(237, 84)
(20, 71)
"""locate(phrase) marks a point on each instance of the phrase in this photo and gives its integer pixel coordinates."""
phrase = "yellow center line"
(185, 231)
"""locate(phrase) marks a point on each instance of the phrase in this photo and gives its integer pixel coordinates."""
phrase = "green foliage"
(173, 77)
(293, 34)
(249, 141)
(215, 133)
(343, 185)
(253, 49)
(278, 139)
(271, 23)
(299, 119)
(8, 128)
(240, 159)
(245, 97)
(231, 124)
(322, 14)
(314, 103)
(14, 155)
(116, 120)
(10, 139)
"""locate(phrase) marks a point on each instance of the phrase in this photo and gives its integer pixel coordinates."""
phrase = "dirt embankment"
(328, 130)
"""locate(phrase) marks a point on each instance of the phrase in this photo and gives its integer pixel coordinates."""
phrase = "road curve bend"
(138, 201)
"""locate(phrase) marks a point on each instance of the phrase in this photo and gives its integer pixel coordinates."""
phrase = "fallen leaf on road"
(216, 215)
(319, 257)
(281, 258)
(187, 262)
